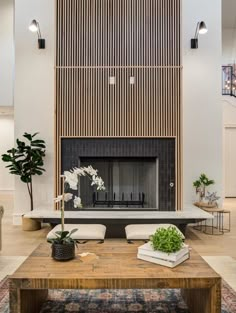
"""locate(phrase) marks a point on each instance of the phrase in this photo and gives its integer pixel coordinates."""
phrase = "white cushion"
(85, 231)
(144, 231)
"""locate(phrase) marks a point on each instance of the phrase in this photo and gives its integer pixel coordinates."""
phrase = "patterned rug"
(117, 301)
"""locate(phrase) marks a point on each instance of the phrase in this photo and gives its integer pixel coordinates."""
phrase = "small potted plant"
(27, 160)
(63, 245)
(166, 247)
(168, 240)
(201, 184)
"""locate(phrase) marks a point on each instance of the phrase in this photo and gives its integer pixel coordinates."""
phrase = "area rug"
(117, 301)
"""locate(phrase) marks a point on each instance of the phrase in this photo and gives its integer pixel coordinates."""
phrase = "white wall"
(229, 119)
(6, 52)
(229, 111)
(6, 143)
(202, 106)
(228, 46)
(34, 93)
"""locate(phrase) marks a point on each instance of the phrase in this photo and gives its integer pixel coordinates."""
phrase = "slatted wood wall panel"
(96, 39)
(118, 32)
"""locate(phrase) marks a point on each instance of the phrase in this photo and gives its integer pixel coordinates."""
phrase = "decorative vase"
(63, 252)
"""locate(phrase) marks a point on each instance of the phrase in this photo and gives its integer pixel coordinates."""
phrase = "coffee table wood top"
(117, 267)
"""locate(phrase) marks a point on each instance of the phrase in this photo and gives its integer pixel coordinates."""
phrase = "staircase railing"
(229, 80)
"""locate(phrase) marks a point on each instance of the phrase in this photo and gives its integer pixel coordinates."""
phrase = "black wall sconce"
(34, 27)
(200, 29)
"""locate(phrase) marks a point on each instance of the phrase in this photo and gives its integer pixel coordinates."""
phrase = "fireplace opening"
(131, 182)
(139, 173)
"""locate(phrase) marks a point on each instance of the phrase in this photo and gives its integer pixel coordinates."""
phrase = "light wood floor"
(223, 245)
(16, 242)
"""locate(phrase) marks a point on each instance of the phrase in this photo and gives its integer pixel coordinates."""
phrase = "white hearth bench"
(144, 231)
(84, 232)
(116, 221)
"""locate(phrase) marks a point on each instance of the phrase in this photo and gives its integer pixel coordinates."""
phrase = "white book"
(148, 250)
(163, 262)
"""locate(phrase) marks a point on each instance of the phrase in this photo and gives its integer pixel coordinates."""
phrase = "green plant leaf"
(73, 231)
(6, 158)
(38, 141)
(62, 234)
(64, 237)
(25, 179)
(28, 136)
(167, 240)
(197, 183)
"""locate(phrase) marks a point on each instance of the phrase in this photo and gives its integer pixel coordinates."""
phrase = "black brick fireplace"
(75, 152)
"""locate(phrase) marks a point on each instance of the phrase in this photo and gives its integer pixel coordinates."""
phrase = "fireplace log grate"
(111, 200)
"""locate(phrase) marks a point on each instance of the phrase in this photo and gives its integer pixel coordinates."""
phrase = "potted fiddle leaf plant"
(27, 160)
(63, 243)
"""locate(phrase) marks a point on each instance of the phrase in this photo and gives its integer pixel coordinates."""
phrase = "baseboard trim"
(7, 191)
(17, 218)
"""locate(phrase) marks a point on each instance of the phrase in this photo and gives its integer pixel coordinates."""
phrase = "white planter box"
(147, 253)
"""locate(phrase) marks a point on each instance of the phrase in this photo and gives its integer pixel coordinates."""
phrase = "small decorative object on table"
(166, 248)
(201, 185)
(87, 257)
(212, 198)
(63, 246)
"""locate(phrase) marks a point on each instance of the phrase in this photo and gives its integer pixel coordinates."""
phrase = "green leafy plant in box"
(167, 240)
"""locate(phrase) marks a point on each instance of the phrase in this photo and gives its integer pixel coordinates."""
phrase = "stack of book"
(147, 253)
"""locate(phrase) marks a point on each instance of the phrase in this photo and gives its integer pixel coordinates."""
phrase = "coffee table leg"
(27, 300)
(203, 300)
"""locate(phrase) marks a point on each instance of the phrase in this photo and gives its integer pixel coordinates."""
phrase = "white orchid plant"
(71, 179)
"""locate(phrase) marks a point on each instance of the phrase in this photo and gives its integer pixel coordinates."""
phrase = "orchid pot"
(63, 252)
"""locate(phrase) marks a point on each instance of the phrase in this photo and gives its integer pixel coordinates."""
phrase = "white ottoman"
(84, 232)
(144, 231)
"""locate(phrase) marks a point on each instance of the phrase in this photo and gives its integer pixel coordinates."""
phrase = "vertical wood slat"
(100, 38)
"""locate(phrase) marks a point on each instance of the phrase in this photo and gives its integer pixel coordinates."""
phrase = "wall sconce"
(200, 29)
(34, 27)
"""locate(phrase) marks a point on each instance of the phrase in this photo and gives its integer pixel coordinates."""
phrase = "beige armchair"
(1, 215)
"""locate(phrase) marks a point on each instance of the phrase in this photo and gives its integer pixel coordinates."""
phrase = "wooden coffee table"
(116, 268)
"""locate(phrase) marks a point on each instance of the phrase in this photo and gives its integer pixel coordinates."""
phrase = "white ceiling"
(229, 13)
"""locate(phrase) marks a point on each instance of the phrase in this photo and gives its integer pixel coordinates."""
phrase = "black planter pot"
(64, 252)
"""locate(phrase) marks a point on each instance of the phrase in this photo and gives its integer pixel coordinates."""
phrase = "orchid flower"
(72, 179)
(77, 202)
(67, 197)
